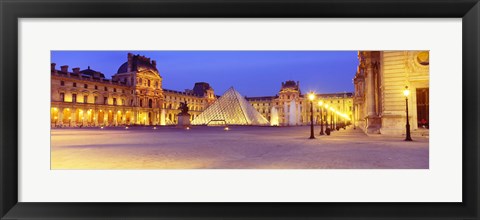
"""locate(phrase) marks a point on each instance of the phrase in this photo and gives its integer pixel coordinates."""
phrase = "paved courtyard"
(237, 148)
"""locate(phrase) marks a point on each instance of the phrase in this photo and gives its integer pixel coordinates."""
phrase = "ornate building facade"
(381, 78)
(293, 107)
(135, 96)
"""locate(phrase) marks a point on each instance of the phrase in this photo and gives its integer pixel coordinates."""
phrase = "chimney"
(52, 68)
(76, 70)
(64, 68)
(130, 61)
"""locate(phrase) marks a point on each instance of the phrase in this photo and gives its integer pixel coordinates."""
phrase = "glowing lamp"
(320, 103)
(326, 105)
(226, 129)
(126, 127)
(406, 92)
(154, 128)
(311, 96)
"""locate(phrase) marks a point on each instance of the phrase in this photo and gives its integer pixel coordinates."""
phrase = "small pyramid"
(231, 109)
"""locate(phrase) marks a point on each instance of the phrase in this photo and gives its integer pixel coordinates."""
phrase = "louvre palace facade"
(135, 96)
(293, 107)
(379, 101)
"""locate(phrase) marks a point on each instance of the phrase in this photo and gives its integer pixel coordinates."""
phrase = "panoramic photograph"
(119, 110)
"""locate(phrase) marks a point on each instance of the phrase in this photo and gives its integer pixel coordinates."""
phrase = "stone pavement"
(238, 148)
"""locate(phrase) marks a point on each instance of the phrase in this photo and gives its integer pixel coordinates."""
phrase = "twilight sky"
(252, 73)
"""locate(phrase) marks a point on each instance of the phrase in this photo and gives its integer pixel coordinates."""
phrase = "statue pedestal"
(183, 120)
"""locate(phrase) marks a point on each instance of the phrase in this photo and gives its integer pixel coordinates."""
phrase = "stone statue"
(184, 108)
(183, 116)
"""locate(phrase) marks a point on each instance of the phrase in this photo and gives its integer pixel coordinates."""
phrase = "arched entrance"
(101, 117)
(110, 117)
(79, 117)
(89, 117)
(119, 118)
(67, 117)
(54, 116)
(128, 116)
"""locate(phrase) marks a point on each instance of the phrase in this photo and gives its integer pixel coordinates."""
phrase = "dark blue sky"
(252, 73)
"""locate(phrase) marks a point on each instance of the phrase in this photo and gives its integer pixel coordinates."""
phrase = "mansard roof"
(90, 72)
(137, 63)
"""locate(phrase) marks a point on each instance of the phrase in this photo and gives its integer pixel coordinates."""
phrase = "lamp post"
(320, 104)
(331, 119)
(311, 96)
(406, 93)
(327, 128)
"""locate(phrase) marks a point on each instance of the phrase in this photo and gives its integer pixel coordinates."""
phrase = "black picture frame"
(12, 10)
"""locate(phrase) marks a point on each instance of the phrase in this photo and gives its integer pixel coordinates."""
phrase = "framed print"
(224, 109)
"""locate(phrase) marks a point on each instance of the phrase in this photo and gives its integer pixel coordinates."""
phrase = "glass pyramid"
(230, 109)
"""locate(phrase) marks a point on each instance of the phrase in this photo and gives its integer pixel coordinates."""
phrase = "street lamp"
(406, 93)
(311, 96)
(327, 128)
(320, 103)
(331, 119)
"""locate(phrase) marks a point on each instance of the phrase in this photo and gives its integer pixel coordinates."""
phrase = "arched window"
(148, 83)
(141, 102)
(150, 102)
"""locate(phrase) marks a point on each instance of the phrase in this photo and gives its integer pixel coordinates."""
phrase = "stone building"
(381, 78)
(293, 107)
(133, 96)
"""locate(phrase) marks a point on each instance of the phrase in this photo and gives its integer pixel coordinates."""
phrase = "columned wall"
(381, 78)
